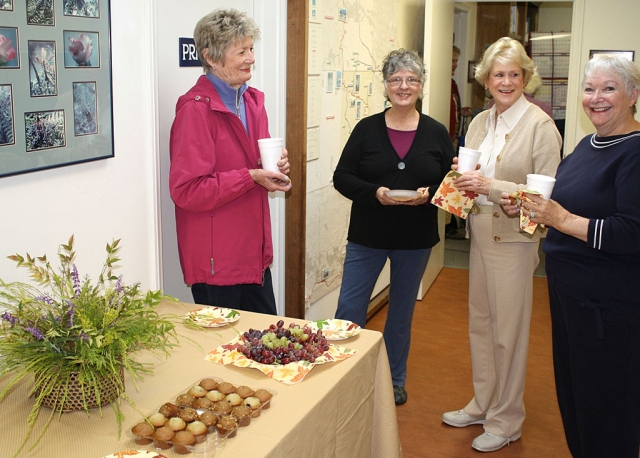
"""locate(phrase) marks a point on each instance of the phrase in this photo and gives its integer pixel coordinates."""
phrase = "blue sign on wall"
(188, 56)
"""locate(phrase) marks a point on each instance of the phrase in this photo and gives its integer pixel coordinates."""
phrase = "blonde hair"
(534, 84)
(219, 30)
(505, 51)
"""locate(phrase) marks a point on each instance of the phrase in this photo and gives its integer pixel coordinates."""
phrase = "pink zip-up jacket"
(222, 216)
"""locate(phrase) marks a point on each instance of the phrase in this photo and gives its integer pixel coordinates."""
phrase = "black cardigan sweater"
(369, 161)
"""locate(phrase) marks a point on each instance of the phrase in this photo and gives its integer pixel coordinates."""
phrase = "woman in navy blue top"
(593, 268)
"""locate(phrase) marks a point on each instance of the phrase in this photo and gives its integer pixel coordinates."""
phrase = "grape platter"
(279, 345)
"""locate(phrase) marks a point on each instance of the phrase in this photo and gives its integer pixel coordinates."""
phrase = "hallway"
(439, 378)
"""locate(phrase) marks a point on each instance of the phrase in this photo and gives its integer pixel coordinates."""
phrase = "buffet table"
(341, 409)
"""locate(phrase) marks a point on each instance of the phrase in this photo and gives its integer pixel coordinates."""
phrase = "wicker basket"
(108, 388)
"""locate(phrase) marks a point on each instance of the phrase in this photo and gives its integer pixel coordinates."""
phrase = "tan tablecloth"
(342, 409)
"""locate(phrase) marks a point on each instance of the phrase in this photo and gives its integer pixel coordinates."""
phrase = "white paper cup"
(467, 159)
(541, 183)
(270, 153)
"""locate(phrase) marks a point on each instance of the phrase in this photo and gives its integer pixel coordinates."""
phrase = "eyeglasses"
(395, 82)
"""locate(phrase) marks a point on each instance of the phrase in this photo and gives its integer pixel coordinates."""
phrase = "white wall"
(103, 200)
(173, 81)
(555, 16)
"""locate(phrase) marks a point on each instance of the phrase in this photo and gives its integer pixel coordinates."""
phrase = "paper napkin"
(450, 199)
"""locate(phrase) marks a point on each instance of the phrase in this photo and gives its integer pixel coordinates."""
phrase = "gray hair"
(613, 64)
(219, 30)
(505, 51)
(403, 59)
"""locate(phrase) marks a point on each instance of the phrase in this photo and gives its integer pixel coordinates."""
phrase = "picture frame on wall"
(629, 55)
(7, 125)
(6, 5)
(56, 97)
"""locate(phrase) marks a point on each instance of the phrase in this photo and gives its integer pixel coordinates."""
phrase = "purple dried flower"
(76, 280)
(6, 316)
(46, 299)
(35, 333)
(84, 337)
(119, 286)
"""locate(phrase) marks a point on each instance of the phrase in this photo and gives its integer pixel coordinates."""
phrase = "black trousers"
(251, 297)
(596, 359)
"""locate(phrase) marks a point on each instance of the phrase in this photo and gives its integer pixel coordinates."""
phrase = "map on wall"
(348, 41)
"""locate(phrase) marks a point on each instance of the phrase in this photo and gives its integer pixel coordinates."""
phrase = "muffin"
(198, 429)
(264, 396)
(227, 426)
(157, 419)
(233, 399)
(254, 404)
(208, 384)
(162, 437)
(182, 440)
(226, 388)
(143, 433)
(176, 424)
(202, 404)
(244, 391)
(215, 395)
(185, 400)
(222, 407)
(197, 391)
(169, 410)
(188, 414)
(209, 418)
(242, 414)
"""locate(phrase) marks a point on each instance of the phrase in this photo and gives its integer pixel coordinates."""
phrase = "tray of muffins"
(202, 417)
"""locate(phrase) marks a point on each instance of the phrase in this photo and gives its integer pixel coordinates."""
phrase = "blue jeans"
(362, 266)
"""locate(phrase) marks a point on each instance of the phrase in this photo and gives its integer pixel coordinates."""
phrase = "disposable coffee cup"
(541, 183)
(467, 159)
(270, 153)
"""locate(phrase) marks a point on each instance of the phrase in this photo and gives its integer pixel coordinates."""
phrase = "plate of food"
(285, 354)
(402, 195)
(212, 317)
(136, 454)
(336, 329)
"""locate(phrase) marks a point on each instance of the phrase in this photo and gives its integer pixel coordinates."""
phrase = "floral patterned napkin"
(288, 374)
(450, 199)
(518, 198)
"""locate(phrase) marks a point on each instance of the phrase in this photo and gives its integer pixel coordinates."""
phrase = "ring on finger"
(532, 215)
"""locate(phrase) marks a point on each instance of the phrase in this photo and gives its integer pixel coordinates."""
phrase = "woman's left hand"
(473, 181)
(541, 211)
(283, 163)
(421, 199)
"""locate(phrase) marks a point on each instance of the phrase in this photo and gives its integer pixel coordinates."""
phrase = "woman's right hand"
(384, 199)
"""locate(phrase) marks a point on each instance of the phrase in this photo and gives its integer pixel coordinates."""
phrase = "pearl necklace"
(600, 145)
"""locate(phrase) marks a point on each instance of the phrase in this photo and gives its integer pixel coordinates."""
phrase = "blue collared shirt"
(232, 98)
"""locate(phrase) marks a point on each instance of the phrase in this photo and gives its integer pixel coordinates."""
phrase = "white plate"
(336, 329)
(402, 195)
(136, 454)
(213, 317)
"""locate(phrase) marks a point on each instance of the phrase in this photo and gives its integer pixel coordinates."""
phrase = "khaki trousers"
(500, 300)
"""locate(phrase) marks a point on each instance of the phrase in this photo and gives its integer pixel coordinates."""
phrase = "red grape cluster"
(280, 345)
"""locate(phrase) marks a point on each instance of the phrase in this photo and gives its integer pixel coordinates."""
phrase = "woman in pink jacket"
(216, 181)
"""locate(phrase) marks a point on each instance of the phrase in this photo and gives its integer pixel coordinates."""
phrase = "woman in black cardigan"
(398, 149)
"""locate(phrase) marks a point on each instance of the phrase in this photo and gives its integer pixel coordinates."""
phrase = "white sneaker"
(489, 442)
(460, 419)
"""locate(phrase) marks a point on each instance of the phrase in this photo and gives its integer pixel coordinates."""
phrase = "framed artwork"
(56, 102)
(6, 5)
(471, 71)
(9, 48)
(629, 55)
(7, 126)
